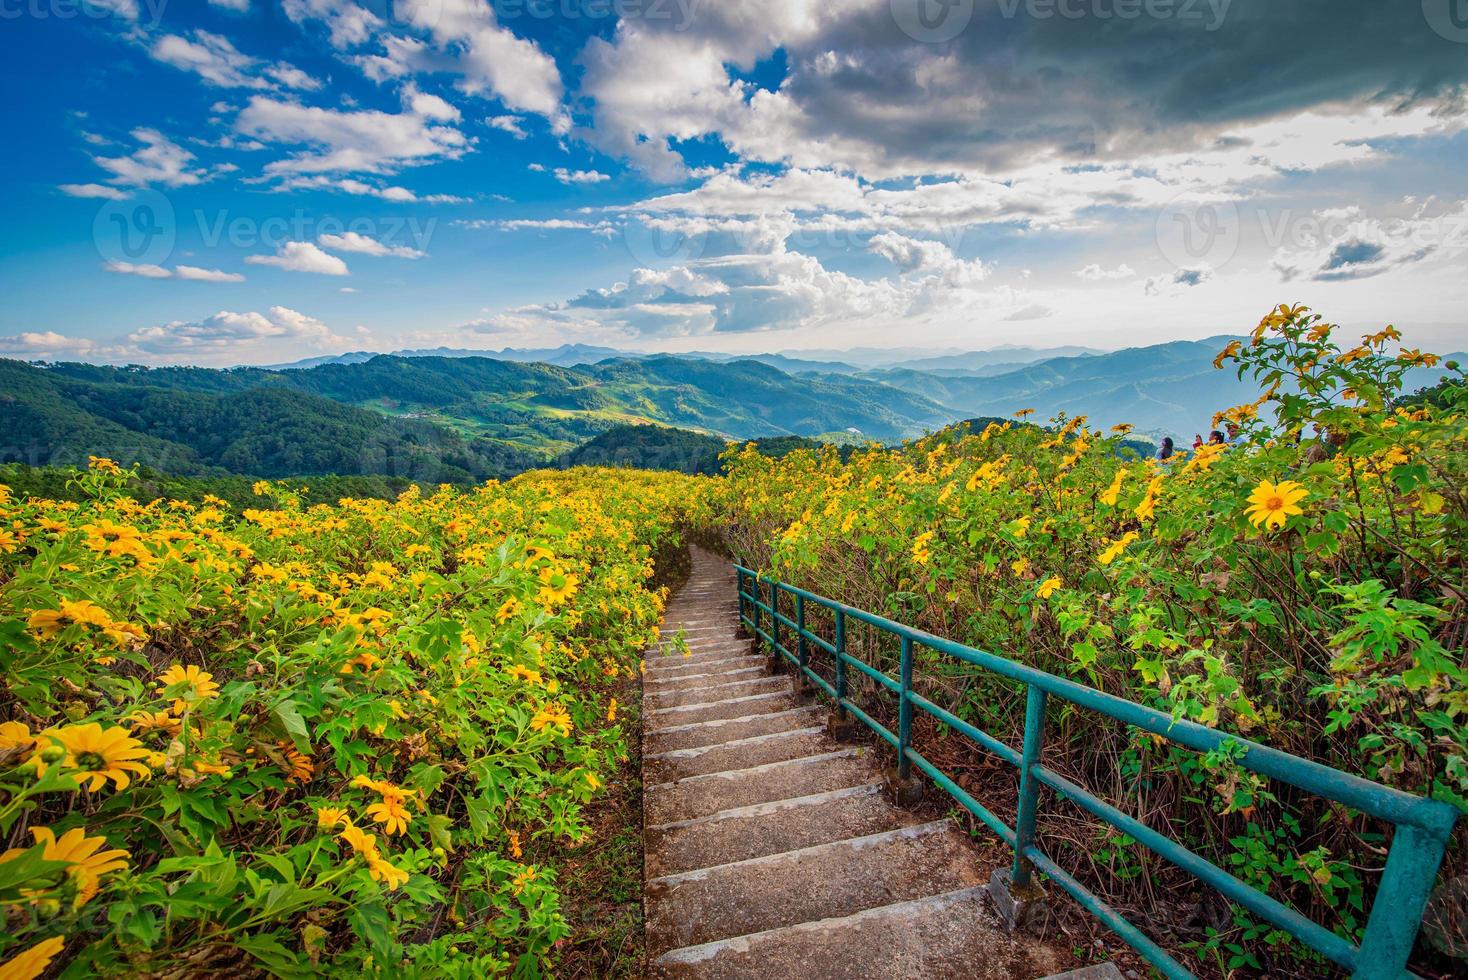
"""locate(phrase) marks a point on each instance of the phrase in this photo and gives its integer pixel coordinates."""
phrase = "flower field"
(356, 738)
(306, 739)
(1306, 590)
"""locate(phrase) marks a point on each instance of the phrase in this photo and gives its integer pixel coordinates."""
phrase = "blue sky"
(253, 181)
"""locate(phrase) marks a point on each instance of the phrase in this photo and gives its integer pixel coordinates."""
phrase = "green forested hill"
(434, 419)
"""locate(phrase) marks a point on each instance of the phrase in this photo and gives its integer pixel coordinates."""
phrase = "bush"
(313, 738)
(1304, 587)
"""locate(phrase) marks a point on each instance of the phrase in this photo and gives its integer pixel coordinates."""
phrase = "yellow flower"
(1110, 494)
(1272, 503)
(360, 841)
(389, 874)
(1148, 505)
(1114, 550)
(31, 963)
(524, 674)
(612, 710)
(86, 861)
(522, 878)
(391, 813)
(15, 736)
(592, 780)
(200, 684)
(329, 817)
(509, 609)
(46, 623)
(1020, 566)
(920, 552)
(552, 716)
(143, 722)
(101, 754)
(1047, 587)
(556, 586)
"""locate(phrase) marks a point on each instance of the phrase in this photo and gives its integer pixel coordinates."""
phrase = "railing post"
(904, 713)
(775, 621)
(1396, 913)
(1024, 824)
(802, 654)
(754, 606)
(840, 665)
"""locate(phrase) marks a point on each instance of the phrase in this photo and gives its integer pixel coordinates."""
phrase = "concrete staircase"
(771, 850)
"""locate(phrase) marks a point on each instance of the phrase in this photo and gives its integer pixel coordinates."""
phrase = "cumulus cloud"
(235, 334)
(337, 141)
(1006, 94)
(351, 241)
(47, 345)
(238, 6)
(158, 161)
(1179, 280)
(302, 257)
(1342, 244)
(214, 59)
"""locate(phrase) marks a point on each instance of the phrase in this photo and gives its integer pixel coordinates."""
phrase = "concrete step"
(770, 828)
(652, 684)
(658, 662)
(821, 882)
(699, 796)
(697, 733)
(953, 934)
(716, 708)
(666, 767)
(726, 644)
(693, 692)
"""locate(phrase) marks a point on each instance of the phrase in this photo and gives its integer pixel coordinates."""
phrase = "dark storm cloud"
(1104, 79)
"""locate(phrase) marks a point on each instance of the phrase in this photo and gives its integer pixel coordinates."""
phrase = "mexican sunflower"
(1272, 503)
(200, 684)
(86, 861)
(31, 963)
(100, 754)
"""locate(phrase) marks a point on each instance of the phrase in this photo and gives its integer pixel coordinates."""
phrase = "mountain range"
(458, 416)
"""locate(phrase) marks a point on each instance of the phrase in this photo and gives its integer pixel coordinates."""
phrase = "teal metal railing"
(1422, 825)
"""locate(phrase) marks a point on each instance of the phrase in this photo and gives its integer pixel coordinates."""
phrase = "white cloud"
(353, 242)
(508, 124)
(188, 272)
(337, 141)
(238, 6)
(214, 59)
(49, 345)
(145, 270)
(1096, 273)
(94, 190)
(1344, 244)
(492, 59)
(158, 161)
(347, 22)
(235, 335)
(1178, 281)
(207, 275)
(350, 185)
(566, 176)
(302, 257)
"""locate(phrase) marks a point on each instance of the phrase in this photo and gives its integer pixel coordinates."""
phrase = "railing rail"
(1422, 825)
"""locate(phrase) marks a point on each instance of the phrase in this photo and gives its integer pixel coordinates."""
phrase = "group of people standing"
(1235, 436)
